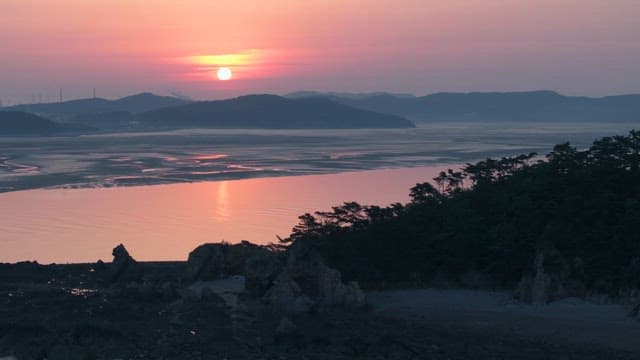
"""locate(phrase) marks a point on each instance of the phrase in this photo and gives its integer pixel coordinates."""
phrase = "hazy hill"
(270, 111)
(69, 109)
(107, 121)
(346, 95)
(21, 123)
(494, 106)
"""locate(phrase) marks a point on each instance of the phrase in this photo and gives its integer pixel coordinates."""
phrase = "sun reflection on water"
(222, 211)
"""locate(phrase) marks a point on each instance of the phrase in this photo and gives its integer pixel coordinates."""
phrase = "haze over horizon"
(585, 47)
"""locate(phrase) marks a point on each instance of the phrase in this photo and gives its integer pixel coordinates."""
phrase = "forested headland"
(571, 217)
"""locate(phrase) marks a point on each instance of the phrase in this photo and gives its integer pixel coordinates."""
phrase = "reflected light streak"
(222, 211)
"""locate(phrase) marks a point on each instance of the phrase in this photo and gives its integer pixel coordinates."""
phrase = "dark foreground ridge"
(227, 302)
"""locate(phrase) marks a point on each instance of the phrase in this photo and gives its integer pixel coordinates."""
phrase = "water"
(165, 222)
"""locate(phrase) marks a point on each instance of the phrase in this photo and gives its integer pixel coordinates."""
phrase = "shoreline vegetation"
(555, 229)
(565, 226)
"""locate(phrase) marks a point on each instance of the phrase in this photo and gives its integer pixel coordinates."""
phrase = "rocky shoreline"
(239, 301)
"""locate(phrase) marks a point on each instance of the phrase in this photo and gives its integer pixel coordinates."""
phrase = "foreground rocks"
(554, 278)
(215, 261)
(118, 321)
(255, 303)
(293, 281)
(123, 265)
(317, 281)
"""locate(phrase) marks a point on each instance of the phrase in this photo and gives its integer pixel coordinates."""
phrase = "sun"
(224, 73)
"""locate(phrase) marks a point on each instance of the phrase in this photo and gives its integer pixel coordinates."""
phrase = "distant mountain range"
(493, 106)
(148, 112)
(314, 110)
(347, 95)
(270, 112)
(131, 104)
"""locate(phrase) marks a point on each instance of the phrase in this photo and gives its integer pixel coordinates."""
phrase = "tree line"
(490, 218)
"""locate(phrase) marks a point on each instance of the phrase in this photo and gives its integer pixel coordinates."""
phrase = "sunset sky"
(120, 47)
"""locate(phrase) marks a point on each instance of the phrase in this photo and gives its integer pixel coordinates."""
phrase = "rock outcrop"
(285, 296)
(320, 282)
(123, 264)
(293, 281)
(553, 279)
(215, 261)
(306, 282)
(261, 270)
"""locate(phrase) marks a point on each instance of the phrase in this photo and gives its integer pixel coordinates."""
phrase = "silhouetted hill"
(346, 95)
(145, 102)
(270, 112)
(68, 109)
(21, 123)
(109, 121)
(494, 106)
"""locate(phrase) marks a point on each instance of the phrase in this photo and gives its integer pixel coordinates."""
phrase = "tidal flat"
(122, 159)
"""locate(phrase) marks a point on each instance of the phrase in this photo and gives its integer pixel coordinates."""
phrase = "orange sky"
(586, 47)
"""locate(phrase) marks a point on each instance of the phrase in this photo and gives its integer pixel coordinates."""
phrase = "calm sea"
(165, 222)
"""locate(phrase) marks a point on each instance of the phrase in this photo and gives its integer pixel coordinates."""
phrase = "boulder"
(295, 281)
(541, 283)
(123, 265)
(260, 271)
(553, 279)
(285, 296)
(219, 260)
(283, 288)
(204, 261)
(228, 289)
(319, 282)
(306, 282)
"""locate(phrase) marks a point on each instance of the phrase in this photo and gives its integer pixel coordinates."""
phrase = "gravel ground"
(74, 312)
(569, 321)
